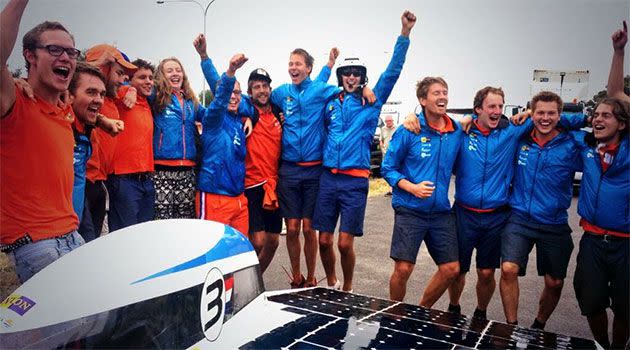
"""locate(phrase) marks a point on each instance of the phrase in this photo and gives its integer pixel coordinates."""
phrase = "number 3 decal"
(212, 306)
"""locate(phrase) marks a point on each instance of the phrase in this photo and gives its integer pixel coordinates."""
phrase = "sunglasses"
(352, 71)
(56, 50)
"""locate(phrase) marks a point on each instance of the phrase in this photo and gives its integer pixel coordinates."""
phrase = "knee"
(553, 283)
(509, 271)
(325, 241)
(485, 276)
(345, 247)
(450, 270)
(402, 271)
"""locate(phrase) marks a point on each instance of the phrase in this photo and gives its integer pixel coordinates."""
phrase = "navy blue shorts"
(481, 231)
(341, 194)
(602, 274)
(261, 219)
(553, 246)
(412, 227)
(297, 189)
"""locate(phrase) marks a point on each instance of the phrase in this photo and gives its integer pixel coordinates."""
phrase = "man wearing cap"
(114, 67)
(343, 185)
(261, 163)
(37, 220)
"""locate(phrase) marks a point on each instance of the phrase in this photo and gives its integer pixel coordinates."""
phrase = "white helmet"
(352, 63)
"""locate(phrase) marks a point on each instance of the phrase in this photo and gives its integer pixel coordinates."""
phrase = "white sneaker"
(336, 286)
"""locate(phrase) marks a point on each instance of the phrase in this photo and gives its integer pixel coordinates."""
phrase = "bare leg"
(327, 252)
(310, 250)
(549, 298)
(456, 289)
(398, 281)
(485, 287)
(294, 247)
(509, 290)
(440, 281)
(348, 257)
(268, 251)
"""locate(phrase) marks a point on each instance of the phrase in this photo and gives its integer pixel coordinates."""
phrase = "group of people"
(75, 133)
(513, 187)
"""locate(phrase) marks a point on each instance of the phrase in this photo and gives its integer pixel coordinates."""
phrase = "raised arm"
(9, 25)
(324, 74)
(615, 79)
(386, 82)
(207, 67)
(215, 113)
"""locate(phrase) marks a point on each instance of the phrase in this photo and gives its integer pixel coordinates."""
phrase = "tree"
(209, 97)
(600, 95)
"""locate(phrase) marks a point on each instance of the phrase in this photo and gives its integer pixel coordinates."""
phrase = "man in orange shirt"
(261, 174)
(37, 221)
(131, 190)
(114, 67)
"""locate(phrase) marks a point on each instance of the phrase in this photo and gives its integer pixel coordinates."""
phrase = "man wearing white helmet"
(343, 186)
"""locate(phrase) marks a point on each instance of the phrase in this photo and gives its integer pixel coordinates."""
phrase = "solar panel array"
(339, 320)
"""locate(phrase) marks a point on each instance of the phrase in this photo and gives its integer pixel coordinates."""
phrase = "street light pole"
(203, 19)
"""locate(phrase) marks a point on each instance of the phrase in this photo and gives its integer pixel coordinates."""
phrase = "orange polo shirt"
(134, 147)
(37, 175)
(103, 146)
(263, 149)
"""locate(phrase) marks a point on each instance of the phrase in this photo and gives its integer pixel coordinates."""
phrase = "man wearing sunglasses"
(343, 185)
(37, 220)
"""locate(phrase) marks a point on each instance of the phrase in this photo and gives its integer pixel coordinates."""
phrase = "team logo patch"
(425, 139)
(524, 148)
(18, 303)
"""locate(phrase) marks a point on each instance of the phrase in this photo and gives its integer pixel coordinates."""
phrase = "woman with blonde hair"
(175, 110)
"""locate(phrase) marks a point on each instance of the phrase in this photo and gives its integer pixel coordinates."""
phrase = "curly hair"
(163, 89)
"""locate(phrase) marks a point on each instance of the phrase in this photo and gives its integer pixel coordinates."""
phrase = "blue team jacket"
(303, 105)
(543, 178)
(605, 196)
(429, 156)
(82, 152)
(351, 124)
(223, 146)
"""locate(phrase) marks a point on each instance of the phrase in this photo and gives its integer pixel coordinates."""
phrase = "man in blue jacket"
(419, 169)
(343, 185)
(302, 103)
(602, 271)
(542, 190)
(221, 185)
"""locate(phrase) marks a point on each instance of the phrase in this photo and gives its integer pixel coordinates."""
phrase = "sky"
(470, 43)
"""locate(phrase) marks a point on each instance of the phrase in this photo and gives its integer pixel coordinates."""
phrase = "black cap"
(259, 74)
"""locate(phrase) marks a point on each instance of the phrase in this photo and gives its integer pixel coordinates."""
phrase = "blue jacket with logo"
(605, 196)
(174, 128)
(351, 124)
(303, 105)
(482, 163)
(429, 156)
(222, 168)
(543, 179)
(82, 152)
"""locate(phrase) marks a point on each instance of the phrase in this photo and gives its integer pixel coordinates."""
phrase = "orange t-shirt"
(103, 146)
(263, 149)
(134, 147)
(36, 172)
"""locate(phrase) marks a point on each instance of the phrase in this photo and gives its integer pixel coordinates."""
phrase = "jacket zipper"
(437, 171)
(531, 192)
(184, 130)
(485, 164)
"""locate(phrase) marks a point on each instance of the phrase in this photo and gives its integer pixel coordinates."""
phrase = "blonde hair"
(163, 89)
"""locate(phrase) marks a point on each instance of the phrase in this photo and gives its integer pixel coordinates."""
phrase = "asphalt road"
(374, 267)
